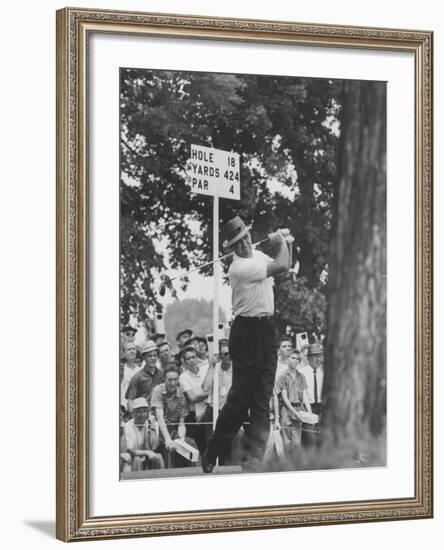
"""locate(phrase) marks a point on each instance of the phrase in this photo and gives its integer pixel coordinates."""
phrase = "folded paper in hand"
(309, 418)
(186, 450)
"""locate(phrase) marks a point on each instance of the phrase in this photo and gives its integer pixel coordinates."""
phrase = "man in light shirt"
(199, 343)
(284, 353)
(225, 377)
(252, 344)
(141, 440)
(291, 387)
(190, 382)
(171, 409)
(129, 370)
(166, 357)
(314, 375)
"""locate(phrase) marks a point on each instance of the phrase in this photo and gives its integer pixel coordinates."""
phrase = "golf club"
(168, 280)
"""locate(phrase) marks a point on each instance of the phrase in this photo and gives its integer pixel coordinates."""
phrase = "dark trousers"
(311, 435)
(253, 351)
(207, 419)
(196, 431)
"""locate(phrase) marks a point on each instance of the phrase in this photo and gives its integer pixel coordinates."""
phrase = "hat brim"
(183, 332)
(318, 352)
(188, 342)
(148, 350)
(240, 235)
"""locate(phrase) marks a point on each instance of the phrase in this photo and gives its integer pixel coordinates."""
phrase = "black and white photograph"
(252, 274)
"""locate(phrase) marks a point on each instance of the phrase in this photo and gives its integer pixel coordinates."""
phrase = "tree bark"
(355, 370)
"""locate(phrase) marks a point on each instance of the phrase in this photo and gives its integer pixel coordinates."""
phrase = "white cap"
(140, 402)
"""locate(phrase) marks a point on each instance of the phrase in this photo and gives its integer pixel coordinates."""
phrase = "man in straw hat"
(253, 344)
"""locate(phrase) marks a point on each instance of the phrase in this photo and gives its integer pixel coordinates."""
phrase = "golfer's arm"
(290, 253)
(281, 263)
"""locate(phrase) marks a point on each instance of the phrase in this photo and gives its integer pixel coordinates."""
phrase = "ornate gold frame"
(73, 519)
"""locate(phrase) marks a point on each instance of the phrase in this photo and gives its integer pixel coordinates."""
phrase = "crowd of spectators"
(168, 399)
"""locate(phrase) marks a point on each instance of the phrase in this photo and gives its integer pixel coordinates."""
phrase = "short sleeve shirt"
(142, 384)
(252, 290)
(293, 384)
(174, 405)
(225, 381)
(128, 373)
(190, 381)
(308, 373)
(137, 438)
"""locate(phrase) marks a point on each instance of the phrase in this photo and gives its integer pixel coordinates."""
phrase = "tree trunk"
(355, 372)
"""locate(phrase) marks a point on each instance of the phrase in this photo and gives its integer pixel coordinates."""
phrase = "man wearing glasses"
(225, 378)
(190, 382)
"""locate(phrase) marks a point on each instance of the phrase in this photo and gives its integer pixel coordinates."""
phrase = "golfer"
(252, 344)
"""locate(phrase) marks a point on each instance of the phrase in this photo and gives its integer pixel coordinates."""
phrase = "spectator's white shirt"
(128, 373)
(307, 371)
(190, 381)
(204, 364)
(136, 438)
(280, 369)
(225, 380)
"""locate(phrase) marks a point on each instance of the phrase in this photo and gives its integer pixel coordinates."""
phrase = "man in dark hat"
(253, 344)
(166, 357)
(128, 334)
(159, 338)
(182, 337)
(314, 376)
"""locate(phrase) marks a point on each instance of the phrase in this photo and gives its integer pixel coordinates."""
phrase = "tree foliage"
(286, 131)
(300, 307)
(190, 313)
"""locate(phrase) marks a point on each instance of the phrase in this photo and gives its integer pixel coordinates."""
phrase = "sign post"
(216, 173)
(216, 278)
